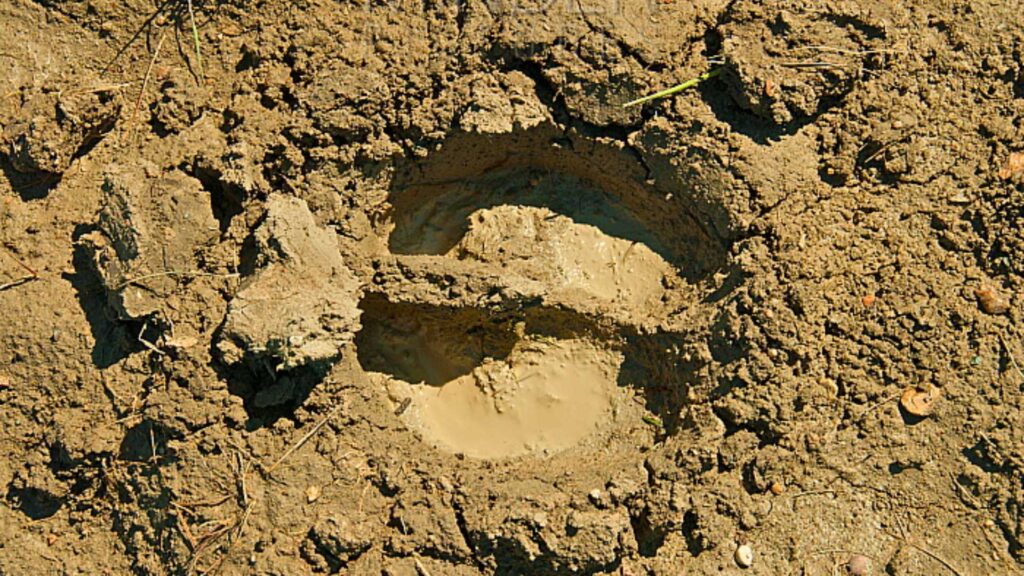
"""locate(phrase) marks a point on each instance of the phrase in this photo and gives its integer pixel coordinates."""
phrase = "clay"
(52, 128)
(299, 307)
(152, 228)
(544, 398)
(579, 265)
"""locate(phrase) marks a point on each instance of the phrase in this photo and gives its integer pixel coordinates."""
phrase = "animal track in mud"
(563, 272)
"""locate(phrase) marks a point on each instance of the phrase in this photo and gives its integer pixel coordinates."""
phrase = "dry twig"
(32, 275)
(878, 405)
(145, 82)
(316, 428)
(18, 282)
(1009, 354)
(182, 273)
(935, 557)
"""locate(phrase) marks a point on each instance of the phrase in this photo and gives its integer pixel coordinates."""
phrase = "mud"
(401, 288)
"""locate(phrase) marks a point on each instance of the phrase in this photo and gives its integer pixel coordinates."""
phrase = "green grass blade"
(675, 89)
(195, 37)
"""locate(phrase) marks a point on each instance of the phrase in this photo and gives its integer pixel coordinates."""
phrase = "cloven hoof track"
(534, 282)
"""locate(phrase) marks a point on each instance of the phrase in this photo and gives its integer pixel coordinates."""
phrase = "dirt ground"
(401, 288)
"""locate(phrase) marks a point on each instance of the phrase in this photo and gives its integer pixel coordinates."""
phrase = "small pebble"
(858, 565)
(744, 556)
(312, 494)
(1014, 165)
(869, 300)
(231, 29)
(918, 402)
(777, 488)
(5, 381)
(992, 302)
(959, 198)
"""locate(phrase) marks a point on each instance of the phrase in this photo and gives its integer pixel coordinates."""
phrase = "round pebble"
(991, 301)
(858, 565)
(744, 556)
(919, 402)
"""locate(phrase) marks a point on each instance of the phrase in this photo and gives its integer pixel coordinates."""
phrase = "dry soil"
(379, 287)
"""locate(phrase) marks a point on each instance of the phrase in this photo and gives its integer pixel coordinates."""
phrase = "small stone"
(595, 496)
(858, 565)
(181, 342)
(5, 381)
(1014, 165)
(959, 198)
(446, 484)
(918, 402)
(312, 494)
(868, 300)
(231, 29)
(744, 556)
(992, 302)
(777, 488)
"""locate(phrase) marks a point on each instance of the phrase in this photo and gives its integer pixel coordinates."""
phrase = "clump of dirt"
(50, 128)
(298, 307)
(152, 229)
(395, 288)
(789, 63)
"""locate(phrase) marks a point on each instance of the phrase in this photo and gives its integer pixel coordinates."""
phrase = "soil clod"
(318, 316)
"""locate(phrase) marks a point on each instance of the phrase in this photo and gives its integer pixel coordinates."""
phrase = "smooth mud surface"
(543, 398)
(401, 288)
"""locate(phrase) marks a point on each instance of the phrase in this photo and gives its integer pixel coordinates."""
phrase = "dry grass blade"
(32, 275)
(145, 80)
(18, 282)
(136, 35)
(316, 428)
(935, 557)
(181, 273)
(26, 267)
(1009, 354)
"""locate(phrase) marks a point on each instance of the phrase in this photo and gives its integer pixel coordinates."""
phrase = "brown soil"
(401, 288)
